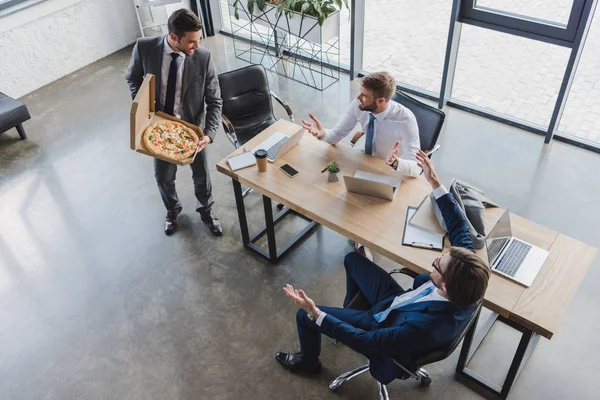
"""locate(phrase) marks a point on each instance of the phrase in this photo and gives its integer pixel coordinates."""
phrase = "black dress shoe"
(211, 220)
(171, 222)
(296, 362)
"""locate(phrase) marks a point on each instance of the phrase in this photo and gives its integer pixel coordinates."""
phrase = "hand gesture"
(393, 155)
(204, 141)
(315, 128)
(424, 162)
(299, 298)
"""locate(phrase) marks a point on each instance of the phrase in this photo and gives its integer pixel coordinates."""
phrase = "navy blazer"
(416, 327)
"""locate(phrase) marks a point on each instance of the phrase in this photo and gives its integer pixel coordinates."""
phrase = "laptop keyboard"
(495, 248)
(513, 258)
(272, 152)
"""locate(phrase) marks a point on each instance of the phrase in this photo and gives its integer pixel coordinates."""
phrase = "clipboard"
(416, 236)
(425, 218)
(242, 160)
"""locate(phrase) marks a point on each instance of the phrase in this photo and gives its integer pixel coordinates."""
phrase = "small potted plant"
(333, 169)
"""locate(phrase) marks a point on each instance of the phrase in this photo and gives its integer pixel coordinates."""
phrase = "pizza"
(170, 139)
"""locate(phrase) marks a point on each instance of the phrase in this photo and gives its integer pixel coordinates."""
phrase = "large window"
(398, 39)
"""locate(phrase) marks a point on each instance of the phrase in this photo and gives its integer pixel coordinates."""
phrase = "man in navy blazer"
(399, 322)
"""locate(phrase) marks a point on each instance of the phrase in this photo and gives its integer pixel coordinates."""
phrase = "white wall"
(49, 40)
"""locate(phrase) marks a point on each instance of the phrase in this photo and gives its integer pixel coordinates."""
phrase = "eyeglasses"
(435, 264)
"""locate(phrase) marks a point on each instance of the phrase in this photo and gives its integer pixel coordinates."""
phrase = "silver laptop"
(375, 185)
(278, 144)
(512, 257)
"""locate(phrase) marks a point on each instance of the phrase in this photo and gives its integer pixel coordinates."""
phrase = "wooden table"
(378, 224)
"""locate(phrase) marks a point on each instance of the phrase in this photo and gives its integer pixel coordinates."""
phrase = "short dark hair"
(382, 84)
(182, 21)
(466, 277)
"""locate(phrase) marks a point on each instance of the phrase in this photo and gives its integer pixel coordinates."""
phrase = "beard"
(368, 107)
(185, 51)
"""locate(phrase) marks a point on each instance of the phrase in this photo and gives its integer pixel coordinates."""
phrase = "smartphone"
(289, 171)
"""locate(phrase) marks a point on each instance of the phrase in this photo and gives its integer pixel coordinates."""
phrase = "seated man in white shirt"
(391, 130)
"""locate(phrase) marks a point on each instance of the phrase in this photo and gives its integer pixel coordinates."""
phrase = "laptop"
(278, 144)
(375, 185)
(512, 257)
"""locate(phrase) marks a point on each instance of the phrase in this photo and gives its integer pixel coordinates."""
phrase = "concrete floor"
(97, 303)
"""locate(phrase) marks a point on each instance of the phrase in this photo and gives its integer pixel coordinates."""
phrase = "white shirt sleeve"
(320, 319)
(344, 126)
(439, 192)
(407, 163)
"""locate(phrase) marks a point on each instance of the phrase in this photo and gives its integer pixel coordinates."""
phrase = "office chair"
(429, 119)
(247, 105)
(419, 359)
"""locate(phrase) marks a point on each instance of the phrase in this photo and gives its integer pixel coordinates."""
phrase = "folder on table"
(242, 160)
(416, 236)
(425, 218)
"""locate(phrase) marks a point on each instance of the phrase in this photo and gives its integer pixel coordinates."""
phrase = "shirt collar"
(381, 116)
(169, 50)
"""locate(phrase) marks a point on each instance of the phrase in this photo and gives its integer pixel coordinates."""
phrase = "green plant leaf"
(261, 4)
(339, 4)
(250, 6)
(304, 7)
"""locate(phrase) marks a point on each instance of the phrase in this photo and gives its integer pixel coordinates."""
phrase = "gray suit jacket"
(473, 203)
(199, 82)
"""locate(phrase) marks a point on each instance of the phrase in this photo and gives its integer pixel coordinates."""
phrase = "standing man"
(392, 133)
(185, 80)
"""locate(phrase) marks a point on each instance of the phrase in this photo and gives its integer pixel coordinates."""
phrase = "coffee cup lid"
(260, 153)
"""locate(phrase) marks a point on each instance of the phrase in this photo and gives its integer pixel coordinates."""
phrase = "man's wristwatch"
(312, 315)
(395, 164)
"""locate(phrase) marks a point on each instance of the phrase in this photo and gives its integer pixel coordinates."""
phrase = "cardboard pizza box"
(143, 114)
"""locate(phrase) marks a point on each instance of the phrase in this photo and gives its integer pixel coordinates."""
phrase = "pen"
(422, 245)
(324, 169)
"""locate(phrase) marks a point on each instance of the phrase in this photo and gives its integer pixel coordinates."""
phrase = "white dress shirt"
(166, 64)
(395, 123)
(433, 296)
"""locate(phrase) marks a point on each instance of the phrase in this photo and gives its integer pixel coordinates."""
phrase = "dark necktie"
(169, 107)
(370, 133)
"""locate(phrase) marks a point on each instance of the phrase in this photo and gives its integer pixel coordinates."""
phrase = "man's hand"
(315, 128)
(424, 162)
(299, 298)
(393, 155)
(204, 141)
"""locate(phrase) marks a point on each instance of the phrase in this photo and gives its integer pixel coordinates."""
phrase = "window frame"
(520, 25)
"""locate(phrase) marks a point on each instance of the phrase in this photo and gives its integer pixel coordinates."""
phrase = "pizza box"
(143, 114)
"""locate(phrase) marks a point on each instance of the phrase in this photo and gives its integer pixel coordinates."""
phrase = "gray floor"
(97, 303)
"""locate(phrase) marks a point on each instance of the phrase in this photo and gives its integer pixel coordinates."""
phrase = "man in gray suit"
(185, 80)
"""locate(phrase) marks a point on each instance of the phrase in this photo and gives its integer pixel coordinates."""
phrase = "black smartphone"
(289, 170)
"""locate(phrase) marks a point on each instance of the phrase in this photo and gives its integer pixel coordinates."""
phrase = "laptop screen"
(498, 237)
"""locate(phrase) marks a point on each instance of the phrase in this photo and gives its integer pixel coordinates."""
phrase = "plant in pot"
(320, 9)
(334, 169)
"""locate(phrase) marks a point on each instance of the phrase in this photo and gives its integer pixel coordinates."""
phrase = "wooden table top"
(378, 224)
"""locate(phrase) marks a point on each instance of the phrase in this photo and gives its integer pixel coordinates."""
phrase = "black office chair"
(419, 359)
(429, 119)
(247, 105)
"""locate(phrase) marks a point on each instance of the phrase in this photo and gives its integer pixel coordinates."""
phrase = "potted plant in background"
(333, 169)
(314, 20)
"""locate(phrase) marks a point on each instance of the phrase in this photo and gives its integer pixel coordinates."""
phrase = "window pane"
(510, 75)
(581, 116)
(550, 10)
(408, 39)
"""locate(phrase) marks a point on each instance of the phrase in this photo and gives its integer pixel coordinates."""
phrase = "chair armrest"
(230, 131)
(405, 271)
(430, 152)
(285, 105)
(355, 138)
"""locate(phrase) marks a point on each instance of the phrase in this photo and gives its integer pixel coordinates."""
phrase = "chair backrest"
(429, 119)
(246, 99)
(422, 358)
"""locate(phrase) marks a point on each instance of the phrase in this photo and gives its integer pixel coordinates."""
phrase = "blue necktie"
(370, 133)
(381, 316)
(169, 107)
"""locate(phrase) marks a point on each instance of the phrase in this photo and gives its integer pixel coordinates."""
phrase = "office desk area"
(378, 224)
